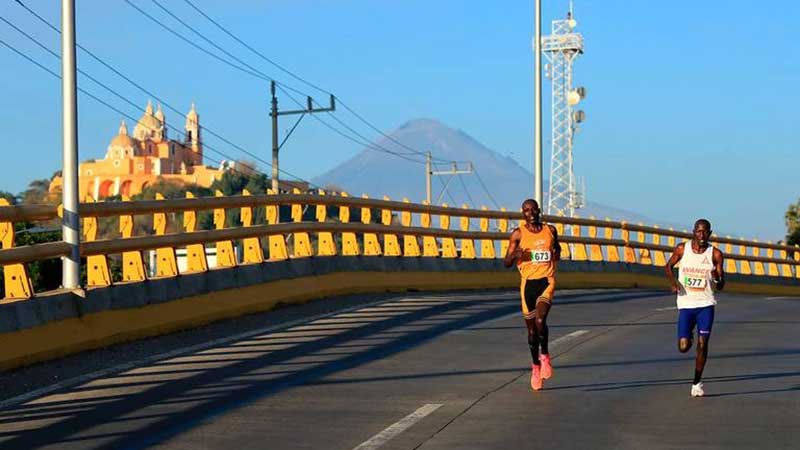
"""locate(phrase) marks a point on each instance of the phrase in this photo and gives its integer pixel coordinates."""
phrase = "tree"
(793, 224)
(38, 192)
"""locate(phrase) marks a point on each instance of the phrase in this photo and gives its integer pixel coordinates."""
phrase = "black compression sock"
(544, 335)
(697, 375)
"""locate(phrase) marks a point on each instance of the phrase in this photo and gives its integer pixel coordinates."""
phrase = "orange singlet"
(538, 274)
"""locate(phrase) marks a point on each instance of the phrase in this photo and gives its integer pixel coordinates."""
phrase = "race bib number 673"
(540, 256)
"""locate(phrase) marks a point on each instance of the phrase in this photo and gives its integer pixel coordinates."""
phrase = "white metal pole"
(70, 224)
(428, 175)
(537, 96)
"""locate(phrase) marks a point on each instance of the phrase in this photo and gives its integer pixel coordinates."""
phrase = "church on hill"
(133, 162)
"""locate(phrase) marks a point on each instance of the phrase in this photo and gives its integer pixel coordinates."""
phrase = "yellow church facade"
(132, 163)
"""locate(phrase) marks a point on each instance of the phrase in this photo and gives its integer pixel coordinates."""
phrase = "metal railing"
(401, 229)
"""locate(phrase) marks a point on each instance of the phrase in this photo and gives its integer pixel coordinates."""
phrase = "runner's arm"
(514, 252)
(677, 254)
(718, 273)
(556, 245)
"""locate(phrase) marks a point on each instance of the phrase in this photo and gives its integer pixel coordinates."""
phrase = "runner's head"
(702, 231)
(531, 211)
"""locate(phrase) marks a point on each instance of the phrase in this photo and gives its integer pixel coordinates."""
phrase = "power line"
(469, 196)
(151, 94)
(496, 205)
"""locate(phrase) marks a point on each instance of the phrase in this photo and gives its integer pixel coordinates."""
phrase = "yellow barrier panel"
(349, 241)
(252, 251)
(302, 243)
(595, 252)
(132, 264)
(391, 246)
(578, 249)
(772, 268)
(17, 283)
(786, 269)
(758, 266)
(487, 245)
(745, 265)
(325, 243)
(797, 258)
(628, 252)
(97, 273)
(611, 250)
(565, 248)
(730, 264)
(166, 265)
(195, 253)
(448, 244)
(225, 254)
(502, 225)
(410, 244)
(644, 254)
(371, 245)
(429, 245)
(467, 245)
(659, 258)
(277, 244)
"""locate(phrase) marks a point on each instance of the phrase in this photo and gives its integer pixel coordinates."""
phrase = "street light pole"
(70, 222)
(537, 102)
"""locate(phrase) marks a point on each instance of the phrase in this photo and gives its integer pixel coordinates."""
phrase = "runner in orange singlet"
(535, 250)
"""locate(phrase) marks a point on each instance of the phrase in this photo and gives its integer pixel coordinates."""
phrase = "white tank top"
(694, 276)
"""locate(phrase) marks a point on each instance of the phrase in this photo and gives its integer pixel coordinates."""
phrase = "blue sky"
(690, 105)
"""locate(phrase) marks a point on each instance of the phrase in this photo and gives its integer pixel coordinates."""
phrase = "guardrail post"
(410, 244)
(391, 246)
(277, 244)
(595, 252)
(429, 245)
(578, 249)
(17, 283)
(349, 241)
(325, 243)
(97, 273)
(786, 269)
(371, 245)
(745, 265)
(132, 264)
(502, 226)
(302, 243)
(487, 245)
(253, 253)
(225, 255)
(644, 254)
(659, 259)
(195, 253)
(628, 252)
(772, 268)
(166, 265)
(611, 250)
(448, 243)
(467, 245)
(730, 264)
(758, 266)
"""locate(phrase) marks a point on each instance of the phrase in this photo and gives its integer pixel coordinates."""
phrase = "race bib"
(540, 256)
(695, 283)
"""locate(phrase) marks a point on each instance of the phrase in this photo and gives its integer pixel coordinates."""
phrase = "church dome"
(148, 126)
(122, 139)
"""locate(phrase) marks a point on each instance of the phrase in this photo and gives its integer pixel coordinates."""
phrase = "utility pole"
(274, 113)
(537, 102)
(454, 170)
(428, 173)
(70, 222)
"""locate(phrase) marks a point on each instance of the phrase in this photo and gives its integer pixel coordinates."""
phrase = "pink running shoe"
(547, 368)
(536, 377)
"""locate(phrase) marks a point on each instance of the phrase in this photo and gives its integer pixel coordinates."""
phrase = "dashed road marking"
(398, 427)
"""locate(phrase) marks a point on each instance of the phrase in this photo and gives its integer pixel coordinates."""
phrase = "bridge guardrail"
(621, 241)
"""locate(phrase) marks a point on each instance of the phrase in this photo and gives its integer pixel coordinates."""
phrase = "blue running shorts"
(688, 318)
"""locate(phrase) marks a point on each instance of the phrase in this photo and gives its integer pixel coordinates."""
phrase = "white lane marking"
(669, 308)
(569, 337)
(177, 352)
(777, 298)
(398, 427)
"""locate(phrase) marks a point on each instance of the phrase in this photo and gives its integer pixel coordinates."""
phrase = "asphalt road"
(438, 371)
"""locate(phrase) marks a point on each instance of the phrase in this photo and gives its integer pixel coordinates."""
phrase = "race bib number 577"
(694, 283)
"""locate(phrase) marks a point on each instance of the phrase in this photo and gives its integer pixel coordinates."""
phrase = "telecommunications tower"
(562, 47)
